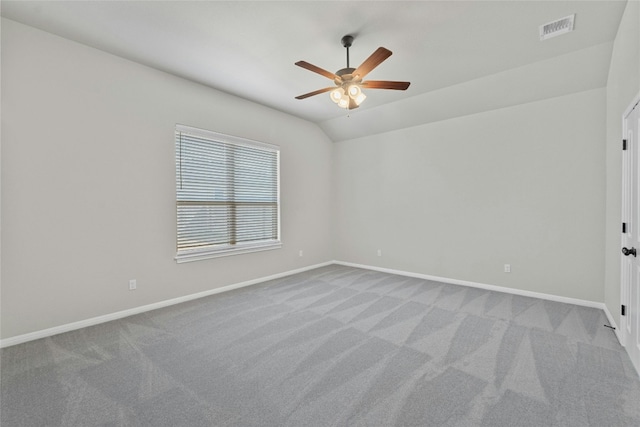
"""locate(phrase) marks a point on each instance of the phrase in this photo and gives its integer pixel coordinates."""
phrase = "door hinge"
(624, 227)
(623, 310)
(624, 144)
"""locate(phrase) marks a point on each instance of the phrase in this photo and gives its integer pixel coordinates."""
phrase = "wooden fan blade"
(385, 84)
(372, 62)
(315, 92)
(315, 69)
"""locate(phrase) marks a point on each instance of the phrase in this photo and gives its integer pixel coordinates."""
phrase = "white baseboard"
(19, 339)
(612, 322)
(550, 297)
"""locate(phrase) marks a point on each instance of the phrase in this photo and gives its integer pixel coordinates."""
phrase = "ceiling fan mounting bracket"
(347, 41)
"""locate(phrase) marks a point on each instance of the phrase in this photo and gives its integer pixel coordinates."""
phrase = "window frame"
(228, 249)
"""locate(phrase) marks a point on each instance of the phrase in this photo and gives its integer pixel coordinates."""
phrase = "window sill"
(197, 255)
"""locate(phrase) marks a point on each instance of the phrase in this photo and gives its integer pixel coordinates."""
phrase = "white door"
(630, 292)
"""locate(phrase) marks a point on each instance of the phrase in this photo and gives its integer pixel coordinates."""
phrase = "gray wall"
(88, 186)
(623, 84)
(88, 183)
(460, 198)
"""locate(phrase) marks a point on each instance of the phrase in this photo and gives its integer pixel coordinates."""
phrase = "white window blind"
(227, 192)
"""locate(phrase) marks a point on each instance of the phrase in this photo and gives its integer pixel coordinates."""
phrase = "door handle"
(628, 252)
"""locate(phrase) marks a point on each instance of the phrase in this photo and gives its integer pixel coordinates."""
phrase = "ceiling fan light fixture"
(348, 93)
(354, 91)
(336, 94)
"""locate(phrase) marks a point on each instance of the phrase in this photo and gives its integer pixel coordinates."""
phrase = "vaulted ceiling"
(461, 57)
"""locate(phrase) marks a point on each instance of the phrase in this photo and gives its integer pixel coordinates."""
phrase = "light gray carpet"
(335, 346)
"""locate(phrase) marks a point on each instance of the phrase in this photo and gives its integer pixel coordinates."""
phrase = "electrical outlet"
(507, 268)
(300, 252)
(133, 285)
(379, 252)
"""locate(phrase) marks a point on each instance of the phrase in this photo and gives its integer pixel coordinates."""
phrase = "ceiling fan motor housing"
(344, 71)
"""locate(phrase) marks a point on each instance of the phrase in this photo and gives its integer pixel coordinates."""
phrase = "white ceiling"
(461, 57)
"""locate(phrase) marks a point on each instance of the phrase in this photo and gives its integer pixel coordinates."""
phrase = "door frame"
(634, 164)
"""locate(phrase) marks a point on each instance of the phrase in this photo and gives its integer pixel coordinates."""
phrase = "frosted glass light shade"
(354, 91)
(361, 97)
(336, 94)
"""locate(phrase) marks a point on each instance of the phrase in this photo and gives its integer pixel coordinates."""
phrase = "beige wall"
(622, 86)
(462, 197)
(88, 183)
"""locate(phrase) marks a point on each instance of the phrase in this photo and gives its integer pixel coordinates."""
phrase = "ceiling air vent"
(555, 28)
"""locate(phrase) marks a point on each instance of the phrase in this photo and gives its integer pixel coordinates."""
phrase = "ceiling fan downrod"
(346, 42)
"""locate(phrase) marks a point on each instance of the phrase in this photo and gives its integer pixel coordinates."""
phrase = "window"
(227, 195)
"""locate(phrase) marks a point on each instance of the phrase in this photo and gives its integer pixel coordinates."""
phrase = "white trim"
(612, 323)
(19, 339)
(550, 297)
(222, 137)
(197, 255)
(623, 297)
(630, 108)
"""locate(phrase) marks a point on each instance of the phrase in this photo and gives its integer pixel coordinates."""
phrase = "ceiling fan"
(347, 92)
